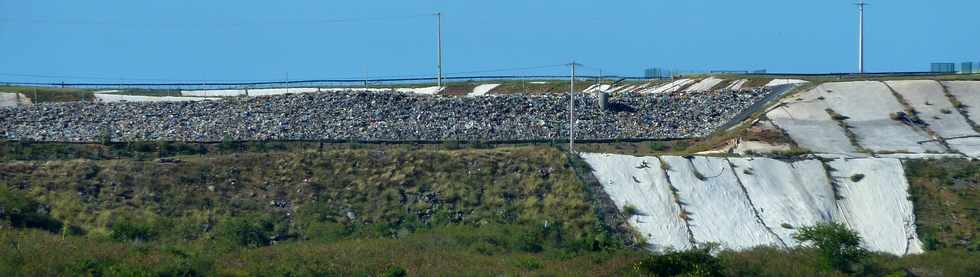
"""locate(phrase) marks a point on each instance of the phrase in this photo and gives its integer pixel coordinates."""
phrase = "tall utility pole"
(861, 6)
(439, 27)
(571, 110)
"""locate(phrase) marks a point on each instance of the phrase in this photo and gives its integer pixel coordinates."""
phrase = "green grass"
(47, 95)
(276, 209)
(946, 194)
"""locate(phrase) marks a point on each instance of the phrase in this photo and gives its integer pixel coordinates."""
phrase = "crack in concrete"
(755, 210)
(677, 200)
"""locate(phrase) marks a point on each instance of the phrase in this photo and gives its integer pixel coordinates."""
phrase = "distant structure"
(861, 6)
(657, 73)
(961, 68)
(660, 73)
(942, 67)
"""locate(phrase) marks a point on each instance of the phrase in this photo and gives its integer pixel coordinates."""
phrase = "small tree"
(838, 246)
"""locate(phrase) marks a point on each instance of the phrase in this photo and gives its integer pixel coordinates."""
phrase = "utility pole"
(439, 31)
(861, 6)
(571, 110)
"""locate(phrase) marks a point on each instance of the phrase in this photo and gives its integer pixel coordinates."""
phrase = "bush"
(839, 247)
(19, 211)
(694, 262)
(131, 230)
(395, 271)
(657, 146)
(244, 232)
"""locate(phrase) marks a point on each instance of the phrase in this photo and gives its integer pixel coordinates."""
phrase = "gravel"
(373, 116)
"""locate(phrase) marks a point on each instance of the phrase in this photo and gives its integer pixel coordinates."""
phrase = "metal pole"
(861, 36)
(571, 111)
(439, 26)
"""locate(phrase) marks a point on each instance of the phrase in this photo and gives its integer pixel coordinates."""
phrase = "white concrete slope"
(805, 119)
(111, 98)
(968, 93)
(482, 90)
(8, 99)
(671, 87)
(646, 188)
(877, 205)
(704, 85)
(928, 98)
(718, 210)
(787, 195)
(746, 202)
(868, 106)
(282, 91)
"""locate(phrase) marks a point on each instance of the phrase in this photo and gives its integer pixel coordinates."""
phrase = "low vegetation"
(348, 209)
(48, 94)
(946, 194)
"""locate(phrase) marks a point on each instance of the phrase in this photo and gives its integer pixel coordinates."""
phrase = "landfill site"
(844, 129)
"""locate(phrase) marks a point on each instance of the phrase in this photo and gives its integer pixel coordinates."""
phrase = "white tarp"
(641, 183)
(704, 85)
(780, 82)
(787, 196)
(747, 202)
(869, 106)
(928, 98)
(8, 99)
(111, 98)
(282, 91)
(806, 121)
(669, 87)
(482, 90)
(737, 84)
(877, 205)
(718, 209)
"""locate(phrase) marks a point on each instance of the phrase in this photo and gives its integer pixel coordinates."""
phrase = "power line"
(199, 24)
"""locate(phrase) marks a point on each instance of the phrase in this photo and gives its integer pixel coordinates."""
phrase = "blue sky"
(182, 40)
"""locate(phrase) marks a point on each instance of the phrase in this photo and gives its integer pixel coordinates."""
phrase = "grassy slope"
(428, 210)
(387, 186)
(343, 211)
(947, 202)
(43, 95)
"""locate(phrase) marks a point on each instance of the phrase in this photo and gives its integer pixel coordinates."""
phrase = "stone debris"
(373, 116)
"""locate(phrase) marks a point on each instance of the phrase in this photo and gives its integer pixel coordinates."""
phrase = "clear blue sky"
(263, 40)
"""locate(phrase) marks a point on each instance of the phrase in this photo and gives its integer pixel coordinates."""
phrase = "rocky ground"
(379, 117)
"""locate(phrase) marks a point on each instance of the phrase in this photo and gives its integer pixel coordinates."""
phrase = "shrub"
(19, 211)
(839, 247)
(395, 271)
(657, 146)
(131, 230)
(629, 210)
(245, 232)
(694, 262)
(836, 116)
(857, 177)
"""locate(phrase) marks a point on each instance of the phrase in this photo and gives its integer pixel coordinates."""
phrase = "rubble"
(373, 116)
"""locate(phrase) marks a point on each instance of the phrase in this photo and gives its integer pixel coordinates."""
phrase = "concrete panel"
(805, 120)
(669, 87)
(877, 205)
(111, 98)
(482, 90)
(928, 98)
(968, 93)
(640, 182)
(868, 106)
(8, 99)
(787, 195)
(719, 210)
(704, 85)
